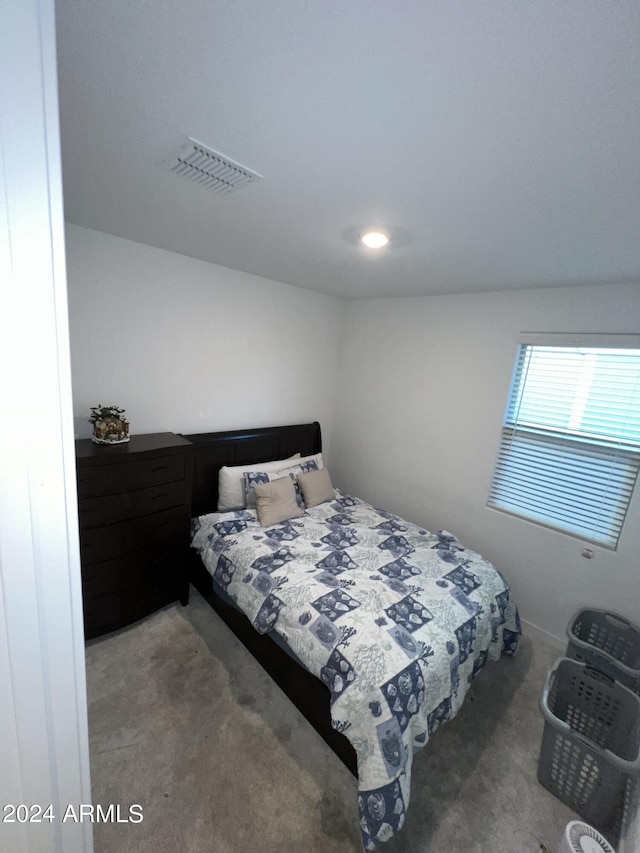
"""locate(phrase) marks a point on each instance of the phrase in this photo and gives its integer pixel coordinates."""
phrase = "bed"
(375, 627)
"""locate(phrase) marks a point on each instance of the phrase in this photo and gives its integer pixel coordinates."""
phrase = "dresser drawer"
(133, 574)
(109, 509)
(114, 610)
(118, 592)
(103, 613)
(98, 544)
(94, 480)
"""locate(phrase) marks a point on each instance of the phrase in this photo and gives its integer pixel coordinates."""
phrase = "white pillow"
(317, 458)
(231, 481)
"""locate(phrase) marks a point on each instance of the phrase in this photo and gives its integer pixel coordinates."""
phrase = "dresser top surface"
(166, 442)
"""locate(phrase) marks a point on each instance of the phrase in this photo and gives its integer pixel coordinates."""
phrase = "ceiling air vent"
(209, 169)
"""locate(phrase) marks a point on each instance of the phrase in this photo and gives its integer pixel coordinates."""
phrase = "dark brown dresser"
(134, 503)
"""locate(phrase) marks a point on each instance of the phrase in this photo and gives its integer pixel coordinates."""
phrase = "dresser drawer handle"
(159, 467)
(157, 497)
(162, 524)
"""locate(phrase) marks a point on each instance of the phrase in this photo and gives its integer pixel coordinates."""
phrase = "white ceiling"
(496, 140)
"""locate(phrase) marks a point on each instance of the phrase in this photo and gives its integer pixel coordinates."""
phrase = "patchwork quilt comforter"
(396, 621)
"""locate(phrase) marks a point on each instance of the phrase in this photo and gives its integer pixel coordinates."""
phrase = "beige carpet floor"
(186, 724)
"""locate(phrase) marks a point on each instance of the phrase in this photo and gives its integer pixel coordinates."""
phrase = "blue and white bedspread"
(396, 621)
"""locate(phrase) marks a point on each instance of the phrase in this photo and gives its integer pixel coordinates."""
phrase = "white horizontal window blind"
(570, 448)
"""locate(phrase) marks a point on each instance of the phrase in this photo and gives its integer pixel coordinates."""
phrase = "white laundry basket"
(579, 837)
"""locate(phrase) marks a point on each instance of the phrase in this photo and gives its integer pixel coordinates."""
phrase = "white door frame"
(44, 753)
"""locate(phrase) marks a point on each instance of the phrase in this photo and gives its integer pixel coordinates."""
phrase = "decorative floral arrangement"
(109, 425)
(100, 412)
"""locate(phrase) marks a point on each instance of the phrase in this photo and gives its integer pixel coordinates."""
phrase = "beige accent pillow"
(316, 487)
(276, 501)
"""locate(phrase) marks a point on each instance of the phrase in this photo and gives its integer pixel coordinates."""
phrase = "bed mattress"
(395, 621)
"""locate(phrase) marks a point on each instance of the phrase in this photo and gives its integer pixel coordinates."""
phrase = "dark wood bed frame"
(244, 447)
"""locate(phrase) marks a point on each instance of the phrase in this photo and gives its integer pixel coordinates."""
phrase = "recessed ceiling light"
(374, 239)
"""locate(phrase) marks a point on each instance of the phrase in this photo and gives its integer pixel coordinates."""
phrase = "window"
(570, 448)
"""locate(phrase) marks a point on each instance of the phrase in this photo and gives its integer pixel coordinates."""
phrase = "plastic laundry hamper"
(607, 642)
(590, 748)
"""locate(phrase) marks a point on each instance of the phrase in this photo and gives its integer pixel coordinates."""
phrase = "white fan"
(581, 838)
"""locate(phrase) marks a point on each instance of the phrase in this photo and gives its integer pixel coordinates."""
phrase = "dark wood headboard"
(212, 450)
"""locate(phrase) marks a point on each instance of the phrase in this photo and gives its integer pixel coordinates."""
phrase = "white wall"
(418, 387)
(188, 346)
(423, 389)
